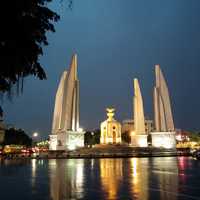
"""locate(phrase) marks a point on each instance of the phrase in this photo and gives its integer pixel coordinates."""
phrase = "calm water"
(134, 178)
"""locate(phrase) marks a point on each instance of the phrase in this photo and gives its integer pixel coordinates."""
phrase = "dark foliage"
(24, 24)
(87, 138)
(194, 137)
(92, 138)
(126, 137)
(17, 136)
(97, 135)
(1, 112)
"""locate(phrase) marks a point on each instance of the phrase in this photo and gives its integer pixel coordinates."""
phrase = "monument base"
(110, 140)
(139, 140)
(163, 139)
(66, 140)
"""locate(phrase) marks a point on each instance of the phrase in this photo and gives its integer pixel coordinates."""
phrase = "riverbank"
(104, 151)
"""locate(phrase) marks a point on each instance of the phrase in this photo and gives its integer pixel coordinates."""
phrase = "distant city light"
(179, 138)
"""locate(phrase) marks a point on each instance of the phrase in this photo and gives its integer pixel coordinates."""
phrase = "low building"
(128, 126)
(110, 129)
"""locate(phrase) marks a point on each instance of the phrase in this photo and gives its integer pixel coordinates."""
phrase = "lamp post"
(34, 138)
(35, 134)
(92, 139)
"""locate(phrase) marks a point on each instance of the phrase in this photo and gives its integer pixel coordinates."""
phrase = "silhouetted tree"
(87, 138)
(92, 138)
(16, 136)
(1, 112)
(97, 135)
(126, 137)
(24, 24)
(194, 137)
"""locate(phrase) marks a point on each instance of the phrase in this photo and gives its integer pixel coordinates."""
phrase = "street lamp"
(35, 134)
(92, 139)
(34, 138)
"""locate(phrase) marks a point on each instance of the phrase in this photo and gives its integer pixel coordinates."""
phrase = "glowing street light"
(132, 133)
(35, 134)
(34, 138)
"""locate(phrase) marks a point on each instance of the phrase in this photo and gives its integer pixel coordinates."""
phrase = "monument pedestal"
(53, 142)
(139, 140)
(66, 140)
(163, 139)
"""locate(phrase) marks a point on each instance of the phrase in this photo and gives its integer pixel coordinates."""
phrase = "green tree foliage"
(24, 24)
(16, 136)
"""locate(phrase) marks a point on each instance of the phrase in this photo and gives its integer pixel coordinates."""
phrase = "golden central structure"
(110, 129)
(66, 133)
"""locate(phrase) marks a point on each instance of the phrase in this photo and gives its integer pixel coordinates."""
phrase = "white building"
(128, 126)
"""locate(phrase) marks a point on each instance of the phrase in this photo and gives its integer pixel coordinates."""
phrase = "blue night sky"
(116, 41)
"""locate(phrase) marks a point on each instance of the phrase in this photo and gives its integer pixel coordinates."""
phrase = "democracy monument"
(67, 135)
(138, 136)
(164, 135)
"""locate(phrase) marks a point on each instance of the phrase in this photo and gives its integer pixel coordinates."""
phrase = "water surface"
(133, 178)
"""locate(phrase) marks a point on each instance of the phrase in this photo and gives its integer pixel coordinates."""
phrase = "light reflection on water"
(139, 179)
(66, 179)
(135, 178)
(111, 175)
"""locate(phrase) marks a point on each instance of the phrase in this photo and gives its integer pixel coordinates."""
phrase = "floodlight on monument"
(132, 133)
(72, 146)
(142, 142)
(167, 145)
(80, 129)
(163, 141)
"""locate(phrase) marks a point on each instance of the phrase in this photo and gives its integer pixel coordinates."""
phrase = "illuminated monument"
(138, 136)
(66, 133)
(164, 135)
(110, 129)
